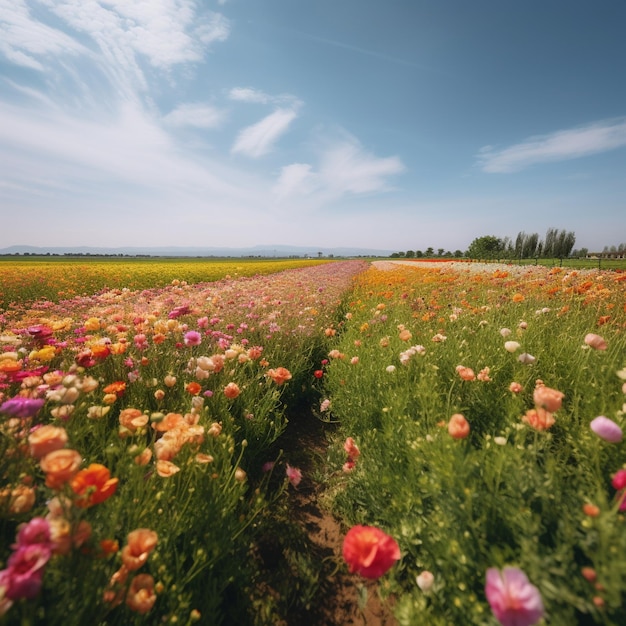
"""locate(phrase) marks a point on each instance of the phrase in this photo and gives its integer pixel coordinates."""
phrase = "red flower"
(369, 551)
(318, 373)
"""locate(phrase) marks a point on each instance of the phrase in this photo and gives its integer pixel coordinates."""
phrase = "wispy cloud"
(24, 39)
(256, 140)
(558, 146)
(344, 168)
(256, 96)
(195, 114)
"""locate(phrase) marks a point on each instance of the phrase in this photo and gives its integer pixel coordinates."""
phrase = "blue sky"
(390, 125)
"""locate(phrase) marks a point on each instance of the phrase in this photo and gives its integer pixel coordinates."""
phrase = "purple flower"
(513, 599)
(606, 429)
(21, 407)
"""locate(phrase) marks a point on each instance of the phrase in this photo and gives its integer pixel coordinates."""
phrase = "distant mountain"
(179, 251)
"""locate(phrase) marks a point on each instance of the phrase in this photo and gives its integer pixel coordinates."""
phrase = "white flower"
(526, 359)
(425, 581)
(390, 369)
(511, 346)
(505, 332)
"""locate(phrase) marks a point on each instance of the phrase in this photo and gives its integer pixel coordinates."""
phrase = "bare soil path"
(336, 602)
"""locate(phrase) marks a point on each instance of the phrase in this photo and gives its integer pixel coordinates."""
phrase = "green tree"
(486, 247)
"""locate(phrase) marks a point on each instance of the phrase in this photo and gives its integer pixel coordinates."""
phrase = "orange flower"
(458, 426)
(279, 375)
(141, 597)
(46, 439)
(117, 388)
(20, 499)
(231, 391)
(59, 466)
(109, 546)
(138, 546)
(93, 485)
(591, 510)
(169, 422)
(538, 418)
(193, 388)
(518, 297)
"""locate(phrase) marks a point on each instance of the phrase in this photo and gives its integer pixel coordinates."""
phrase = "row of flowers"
(137, 431)
(489, 453)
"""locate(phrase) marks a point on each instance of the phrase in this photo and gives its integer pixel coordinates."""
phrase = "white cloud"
(195, 114)
(248, 94)
(22, 38)
(295, 179)
(558, 146)
(344, 168)
(258, 139)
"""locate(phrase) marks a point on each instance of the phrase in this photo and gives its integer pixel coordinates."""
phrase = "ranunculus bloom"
(165, 469)
(619, 479)
(458, 426)
(192, 338)
(117, 388)
(132, 419)
(526, 359)
(139, 544)
(46, 439)
(19, 499)
(606, 429)
(538, 418)
(279, 375)
(369, 551)
(595, 341)
(141, 597)
(513, 599)
(511, 346)
(231, 391)
(21, 407)
(293, 474)
(93, 485)
(547, 398)
(351, 448)
(59, 466)
(466, 373)
(515, 387)
(425, 581)
(25, 568)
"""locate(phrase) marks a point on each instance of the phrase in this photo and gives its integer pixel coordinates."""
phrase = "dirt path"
(337, 599)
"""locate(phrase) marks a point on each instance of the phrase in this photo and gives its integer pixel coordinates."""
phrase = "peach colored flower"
(138, 546)
(279, 375)
(133, 419)
(466, 373)
(19, 499)
(595, 341)
(538, 418)
(59, 466)
(547, 398)
(458, 426)
(144, 457)
(141, 597)
(231, 391)
(46, 439)
(405, 335)
(170, 422)
(515, 387)
(351, 448)
(165, 469)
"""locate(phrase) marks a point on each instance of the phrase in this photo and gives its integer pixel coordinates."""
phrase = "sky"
(382, 124)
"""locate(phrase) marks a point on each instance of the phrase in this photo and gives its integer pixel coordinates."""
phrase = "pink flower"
(193, 338)
(294, 475)
(351, 448)
(595, 341)
(466, 373)
(513, 599)
(25, 570)
(606, 429)
(515, 387)
(547, 398)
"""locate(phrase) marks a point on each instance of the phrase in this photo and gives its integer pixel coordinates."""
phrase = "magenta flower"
(25, 570)
(37, 530)
(294, 475)
(193, 338)
(513, 599)
(619, 482)
(606, 429)
(21, 407)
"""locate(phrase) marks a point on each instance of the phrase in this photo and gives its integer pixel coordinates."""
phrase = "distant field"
(603, 264)
(58, 278)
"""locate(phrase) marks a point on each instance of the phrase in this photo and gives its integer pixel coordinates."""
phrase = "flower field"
(481, 412)
(476, 455)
